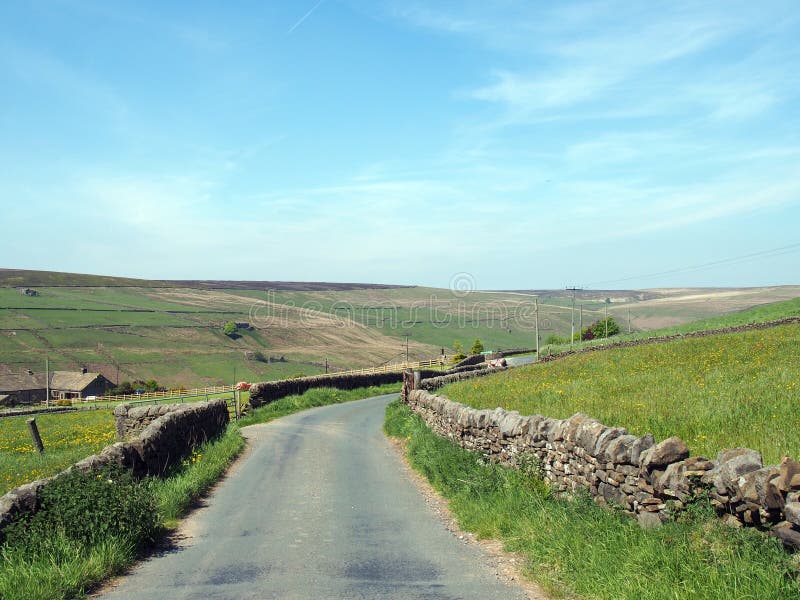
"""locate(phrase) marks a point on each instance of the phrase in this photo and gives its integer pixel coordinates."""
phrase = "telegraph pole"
(629, 319)
(47, 377)
(536, 304)
(580, 325)
(572, 289)
(606, 320)
(408, 335)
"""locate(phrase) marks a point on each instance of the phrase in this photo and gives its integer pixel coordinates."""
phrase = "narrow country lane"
(319, 508)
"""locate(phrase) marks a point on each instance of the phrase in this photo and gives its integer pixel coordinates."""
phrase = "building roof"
(71, 381)
(63, 381)
(22, 381)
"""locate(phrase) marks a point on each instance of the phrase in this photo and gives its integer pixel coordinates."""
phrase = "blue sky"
(529, 144)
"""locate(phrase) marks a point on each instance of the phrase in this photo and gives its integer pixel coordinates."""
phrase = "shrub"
(599, 328)
(458, 349)
(229, 329)
(63, 402)
(477, 347)
(87, 508)
(554, 340)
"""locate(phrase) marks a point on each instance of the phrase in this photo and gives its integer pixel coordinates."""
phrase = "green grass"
(578, 548)
(759, 314)
(311, 399)
(717, 392)
(176, 493)
(67, 438)
(68, 569)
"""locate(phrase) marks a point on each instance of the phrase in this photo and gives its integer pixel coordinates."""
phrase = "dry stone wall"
(160, 442)
(434, 383)
(270, 391)
(645, 479)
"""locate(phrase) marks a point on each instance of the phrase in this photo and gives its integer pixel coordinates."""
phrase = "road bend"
(319, 507)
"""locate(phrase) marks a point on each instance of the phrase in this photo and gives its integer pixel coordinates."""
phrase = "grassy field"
(67, 438)
(172, 331)
(716, 392)
(578, 549)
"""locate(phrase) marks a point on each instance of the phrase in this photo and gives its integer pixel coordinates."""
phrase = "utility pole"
(326, 365)
(47, 378)
(572, 289)
(408, 335)
(606, 320)
(536, 304)
(580, 325)
(629, 319)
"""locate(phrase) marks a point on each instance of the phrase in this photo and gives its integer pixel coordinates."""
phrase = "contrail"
(304, 17)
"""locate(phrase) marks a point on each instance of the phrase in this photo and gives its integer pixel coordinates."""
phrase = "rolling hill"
(172, 330)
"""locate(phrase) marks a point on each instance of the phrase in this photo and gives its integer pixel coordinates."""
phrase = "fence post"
(37, 439)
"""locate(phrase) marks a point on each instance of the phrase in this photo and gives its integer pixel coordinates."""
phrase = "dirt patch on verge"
(507, 566)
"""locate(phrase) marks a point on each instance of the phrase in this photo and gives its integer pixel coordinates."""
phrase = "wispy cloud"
(302, 19)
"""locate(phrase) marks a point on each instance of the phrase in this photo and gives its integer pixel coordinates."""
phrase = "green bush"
(64, 402)
(554, 340)
(229, 329)
(87, 508)
(477, 347)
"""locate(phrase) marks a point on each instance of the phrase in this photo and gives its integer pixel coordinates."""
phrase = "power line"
(725, 261)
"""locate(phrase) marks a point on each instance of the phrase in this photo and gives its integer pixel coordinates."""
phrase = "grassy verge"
(311, 399)
(578, 548)
(53, 561)
(175, 494)
(722, 391)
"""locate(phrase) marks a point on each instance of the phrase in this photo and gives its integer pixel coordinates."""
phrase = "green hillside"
(172, 331)
(716, 392)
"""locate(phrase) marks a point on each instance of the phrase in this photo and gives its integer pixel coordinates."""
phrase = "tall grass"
(723, 391)
(175, 494)
(578, 548)
(64, 568)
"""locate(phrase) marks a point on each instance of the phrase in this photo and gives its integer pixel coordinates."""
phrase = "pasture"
(717, 392)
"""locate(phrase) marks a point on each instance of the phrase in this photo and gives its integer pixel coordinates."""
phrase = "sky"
(487, 144)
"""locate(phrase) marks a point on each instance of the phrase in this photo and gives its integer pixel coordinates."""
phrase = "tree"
(599, 328)
(477, 347)
(459, 351)
(229, 329)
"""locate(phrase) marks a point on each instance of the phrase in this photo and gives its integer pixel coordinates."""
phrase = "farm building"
(27, 292)
(31, 388)
(23, 388)
(78, 384)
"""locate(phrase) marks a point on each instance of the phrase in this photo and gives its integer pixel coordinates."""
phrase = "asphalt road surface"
(320, 507)
(523, 359)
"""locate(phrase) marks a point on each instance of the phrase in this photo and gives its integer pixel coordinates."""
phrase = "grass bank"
(51, 558)
(578, 548)
(312, 399)
(717, 392)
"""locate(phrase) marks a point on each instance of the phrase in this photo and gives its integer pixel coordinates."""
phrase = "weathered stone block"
(639, 446)
(789, 475)
(664, 453)
(792, 512)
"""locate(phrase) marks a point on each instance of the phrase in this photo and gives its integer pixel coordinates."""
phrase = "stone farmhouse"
(31, 388)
